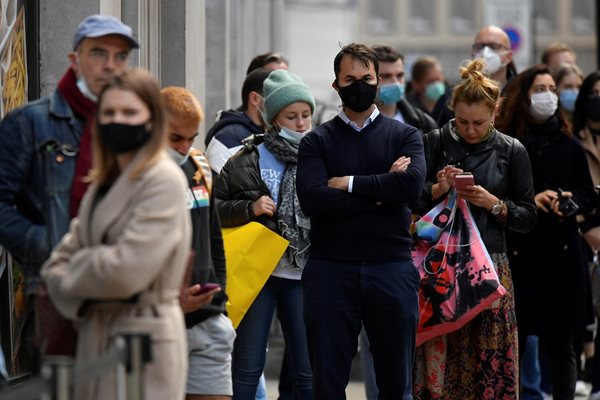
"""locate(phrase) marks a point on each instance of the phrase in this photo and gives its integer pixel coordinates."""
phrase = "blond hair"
(141, 83)
(476, 87)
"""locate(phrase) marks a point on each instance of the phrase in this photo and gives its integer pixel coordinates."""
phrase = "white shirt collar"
(352, 124)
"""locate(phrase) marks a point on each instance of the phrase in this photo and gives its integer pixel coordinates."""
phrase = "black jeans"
(558, 347)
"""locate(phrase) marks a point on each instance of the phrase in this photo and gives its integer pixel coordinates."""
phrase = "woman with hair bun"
(480, 360)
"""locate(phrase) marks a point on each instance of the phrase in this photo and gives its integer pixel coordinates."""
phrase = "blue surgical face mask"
(567, 99)
(435, 90)
(176, 156)
(291, 136)
(391, 93)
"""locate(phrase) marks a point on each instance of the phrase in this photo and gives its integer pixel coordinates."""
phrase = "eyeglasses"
(477, 47)
(102, 56)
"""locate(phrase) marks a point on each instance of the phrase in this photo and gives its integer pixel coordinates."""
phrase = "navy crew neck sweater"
(371, 224)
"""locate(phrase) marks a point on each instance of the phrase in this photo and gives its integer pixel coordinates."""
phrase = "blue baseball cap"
(101, 25)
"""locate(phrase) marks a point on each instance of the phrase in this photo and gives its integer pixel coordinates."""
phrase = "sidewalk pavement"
(354, 391)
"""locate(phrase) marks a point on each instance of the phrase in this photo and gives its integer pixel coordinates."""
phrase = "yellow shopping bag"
(252, 252)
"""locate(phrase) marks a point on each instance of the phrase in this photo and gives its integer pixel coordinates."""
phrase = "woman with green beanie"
(259, 184)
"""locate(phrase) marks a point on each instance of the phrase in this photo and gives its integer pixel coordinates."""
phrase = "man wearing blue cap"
(45, 152)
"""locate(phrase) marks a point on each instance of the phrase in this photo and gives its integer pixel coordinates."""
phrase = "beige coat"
(135, 241)
(592, 150)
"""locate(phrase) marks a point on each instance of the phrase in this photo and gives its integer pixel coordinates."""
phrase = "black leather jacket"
(239, 185)
(500, 164)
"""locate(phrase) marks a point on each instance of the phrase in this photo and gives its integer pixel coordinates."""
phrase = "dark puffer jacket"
(239, 185)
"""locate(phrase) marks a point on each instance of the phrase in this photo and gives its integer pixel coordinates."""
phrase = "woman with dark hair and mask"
(552, 294)
(121, 266)
(259, 184)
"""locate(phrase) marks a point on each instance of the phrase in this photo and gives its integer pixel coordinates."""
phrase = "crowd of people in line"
(105, 203)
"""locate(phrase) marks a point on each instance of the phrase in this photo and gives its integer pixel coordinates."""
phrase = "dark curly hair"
(513, 118)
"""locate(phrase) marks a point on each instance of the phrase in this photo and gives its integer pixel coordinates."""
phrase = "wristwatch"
(497, 208)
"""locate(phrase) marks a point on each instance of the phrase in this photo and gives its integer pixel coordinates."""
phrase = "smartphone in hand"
(566, 205)
(462, 180)
(208, 287)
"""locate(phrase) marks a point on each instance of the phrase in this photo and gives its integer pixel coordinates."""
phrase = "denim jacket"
(38, 147)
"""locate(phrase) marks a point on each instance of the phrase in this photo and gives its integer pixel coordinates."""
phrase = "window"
(546, 16)
(583, 17)
(422, 19)
(462, 17)
(381, 17)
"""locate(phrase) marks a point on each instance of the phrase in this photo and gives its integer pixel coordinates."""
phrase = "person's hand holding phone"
(194, 297)
(547, 201)
(561, 202)
(474, 194)
(445, 180)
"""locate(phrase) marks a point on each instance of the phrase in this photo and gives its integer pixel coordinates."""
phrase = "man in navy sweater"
(356, 174)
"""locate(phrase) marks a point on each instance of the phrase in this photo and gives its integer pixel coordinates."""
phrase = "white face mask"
(291, 136)
(83, 87)
(176, 156)
(493, 61)
(85, 90)
(543, 105)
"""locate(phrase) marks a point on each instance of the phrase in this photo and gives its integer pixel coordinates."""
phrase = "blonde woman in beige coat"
(120, 267)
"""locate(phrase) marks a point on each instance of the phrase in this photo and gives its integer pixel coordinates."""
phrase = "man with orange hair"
(210, 333)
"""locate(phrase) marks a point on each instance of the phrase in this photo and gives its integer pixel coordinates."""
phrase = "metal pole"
(277, 18)
(227, 45)
(135, 382)
(139, 353)
(121, 388)
(62, 376)
(46, 373)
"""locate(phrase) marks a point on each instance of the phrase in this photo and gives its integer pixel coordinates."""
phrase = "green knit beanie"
(282, 88)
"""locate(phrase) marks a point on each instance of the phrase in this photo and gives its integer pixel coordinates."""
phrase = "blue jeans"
(261, 390)
(249, 354)
(530, 371)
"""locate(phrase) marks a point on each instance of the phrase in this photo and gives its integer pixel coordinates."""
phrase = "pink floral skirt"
(480, 360)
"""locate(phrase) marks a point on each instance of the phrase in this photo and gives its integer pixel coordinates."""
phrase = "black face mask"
(358, 96)
(121, 138)
(592, 108)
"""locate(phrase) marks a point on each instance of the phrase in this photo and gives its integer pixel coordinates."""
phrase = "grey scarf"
(292, 222)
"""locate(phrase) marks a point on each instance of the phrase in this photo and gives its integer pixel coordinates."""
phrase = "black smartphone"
(566, 205)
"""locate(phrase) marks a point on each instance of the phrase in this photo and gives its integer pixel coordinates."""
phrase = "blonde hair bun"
(476, 87)
(473, 70)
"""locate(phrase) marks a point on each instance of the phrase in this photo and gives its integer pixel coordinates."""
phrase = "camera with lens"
(566, 205)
